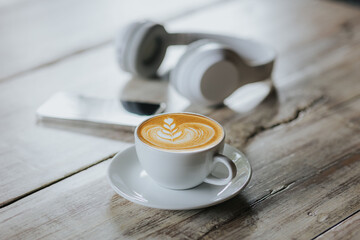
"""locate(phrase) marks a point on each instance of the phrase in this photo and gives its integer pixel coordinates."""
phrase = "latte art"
(180, 132)
(193, 134)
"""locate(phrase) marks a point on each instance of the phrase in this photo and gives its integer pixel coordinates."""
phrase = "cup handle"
(230, 165)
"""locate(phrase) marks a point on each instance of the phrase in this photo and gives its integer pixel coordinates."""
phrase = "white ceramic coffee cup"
(184, 169)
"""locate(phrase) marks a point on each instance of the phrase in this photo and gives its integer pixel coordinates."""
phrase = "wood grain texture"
(346, 230)
(321, 193)
(303, 139)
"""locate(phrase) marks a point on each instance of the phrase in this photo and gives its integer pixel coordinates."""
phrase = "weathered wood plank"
(346, 230)
(37, 33)
(299, 215)
(321, 193)
(290, 159)
(32, 155)
(305, 166)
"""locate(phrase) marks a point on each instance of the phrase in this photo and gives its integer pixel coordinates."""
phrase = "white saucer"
(128, 179)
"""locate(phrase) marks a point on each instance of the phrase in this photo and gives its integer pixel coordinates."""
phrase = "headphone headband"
(258, 57)
(254, 52)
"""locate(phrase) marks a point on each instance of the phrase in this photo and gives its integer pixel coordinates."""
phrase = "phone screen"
(141, 108)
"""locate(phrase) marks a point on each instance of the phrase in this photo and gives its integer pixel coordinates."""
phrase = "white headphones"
(212, 67)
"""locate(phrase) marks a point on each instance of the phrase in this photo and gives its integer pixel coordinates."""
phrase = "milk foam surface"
(180, 132)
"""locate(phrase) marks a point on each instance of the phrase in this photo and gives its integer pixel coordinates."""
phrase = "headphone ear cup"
(141, 47)
(207, 73)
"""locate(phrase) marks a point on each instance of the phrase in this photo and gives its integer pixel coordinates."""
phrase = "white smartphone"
(74, 107)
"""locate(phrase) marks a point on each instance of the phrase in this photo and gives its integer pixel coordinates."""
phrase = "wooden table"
(303, 139)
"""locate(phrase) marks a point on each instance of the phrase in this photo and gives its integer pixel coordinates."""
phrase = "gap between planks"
(288, 186)
(49, 184)
(337, 224)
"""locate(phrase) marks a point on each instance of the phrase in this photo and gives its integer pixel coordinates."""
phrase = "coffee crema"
(180, 132)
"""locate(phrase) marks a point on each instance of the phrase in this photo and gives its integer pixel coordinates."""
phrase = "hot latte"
(180, 132)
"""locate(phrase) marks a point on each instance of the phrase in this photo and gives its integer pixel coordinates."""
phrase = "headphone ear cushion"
(141, 47)
(176, 75)
(207, 73)
(122, 40)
